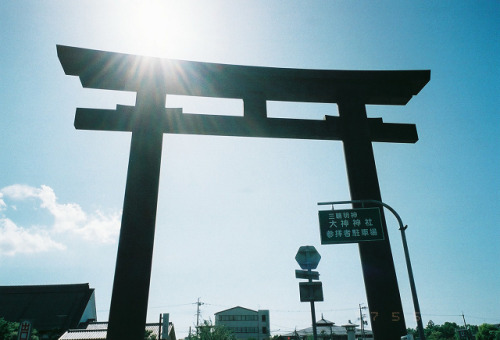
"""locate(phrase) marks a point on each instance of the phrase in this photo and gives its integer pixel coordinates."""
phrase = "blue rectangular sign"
(350, 226)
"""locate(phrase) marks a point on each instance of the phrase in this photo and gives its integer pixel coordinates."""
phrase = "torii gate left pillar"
(153, 79)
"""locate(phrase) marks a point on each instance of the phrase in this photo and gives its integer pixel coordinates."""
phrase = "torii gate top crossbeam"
(255, 85)
(124, 72)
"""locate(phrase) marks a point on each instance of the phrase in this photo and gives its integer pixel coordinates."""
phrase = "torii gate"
(154, 78)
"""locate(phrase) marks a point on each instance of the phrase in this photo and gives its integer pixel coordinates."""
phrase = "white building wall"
(245, 323)
(264, 323)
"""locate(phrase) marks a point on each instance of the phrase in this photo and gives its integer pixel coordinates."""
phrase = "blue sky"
(232, 211)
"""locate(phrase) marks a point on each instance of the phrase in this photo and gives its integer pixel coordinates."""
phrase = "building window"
(263, 318)
(239, 318)
(264, 330)
(244, 329)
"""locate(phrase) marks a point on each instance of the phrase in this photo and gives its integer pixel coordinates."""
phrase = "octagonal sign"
(307, 257)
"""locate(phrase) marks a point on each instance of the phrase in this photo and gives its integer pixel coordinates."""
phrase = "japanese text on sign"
(350, 226)
(24, 330)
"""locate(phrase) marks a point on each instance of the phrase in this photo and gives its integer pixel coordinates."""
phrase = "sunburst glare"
(160, 28)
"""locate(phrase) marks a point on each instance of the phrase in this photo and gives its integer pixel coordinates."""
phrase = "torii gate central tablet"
(154, 78)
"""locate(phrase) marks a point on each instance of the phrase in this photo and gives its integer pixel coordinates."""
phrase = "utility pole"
(362, 321)
(198, 304)
(467, 330)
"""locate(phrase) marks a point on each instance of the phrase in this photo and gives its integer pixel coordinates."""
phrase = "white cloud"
(15, 240)
(69, 219)
(100, 228)
(3, 206)
(19, 191)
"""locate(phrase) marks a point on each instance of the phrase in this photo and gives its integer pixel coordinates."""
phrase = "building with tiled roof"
(51, 309)
(327, 330)
(98, 331)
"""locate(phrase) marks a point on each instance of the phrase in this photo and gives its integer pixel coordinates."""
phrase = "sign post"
(308, 258)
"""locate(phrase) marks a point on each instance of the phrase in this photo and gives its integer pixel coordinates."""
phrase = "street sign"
(306, 274)
(311, 291)
(307, 257)
(350, 226)
(24, 330)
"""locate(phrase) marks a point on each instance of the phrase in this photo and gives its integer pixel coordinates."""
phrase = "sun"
(160, 28)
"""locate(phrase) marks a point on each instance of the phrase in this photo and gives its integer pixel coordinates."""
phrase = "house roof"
(47, 307)
(326, 327)
(237, 307)
(98, 331)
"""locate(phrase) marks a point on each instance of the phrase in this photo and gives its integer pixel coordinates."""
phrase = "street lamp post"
(402, 228)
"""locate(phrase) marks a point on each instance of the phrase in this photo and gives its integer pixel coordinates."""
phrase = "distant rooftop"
(237, 307)
(98, 331)
(328, 328)
(48, 307)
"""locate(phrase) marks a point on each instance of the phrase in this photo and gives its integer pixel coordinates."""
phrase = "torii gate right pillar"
(379, 274)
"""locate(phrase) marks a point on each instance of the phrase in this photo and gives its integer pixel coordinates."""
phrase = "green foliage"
(210, 332)
(148, 335)
(412, 332)
(447, 331)
(9, 330)
(488, 332)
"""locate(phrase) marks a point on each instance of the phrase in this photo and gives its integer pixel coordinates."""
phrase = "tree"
(148, 335)
(488, 332)
(435, 335)
(430, 329)
(208, 331)
(9, 330)
(447, 331)
(412, 332)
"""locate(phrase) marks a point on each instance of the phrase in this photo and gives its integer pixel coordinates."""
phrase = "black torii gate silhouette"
(153, 78)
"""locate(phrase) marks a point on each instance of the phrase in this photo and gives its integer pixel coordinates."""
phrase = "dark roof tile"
(47, 307)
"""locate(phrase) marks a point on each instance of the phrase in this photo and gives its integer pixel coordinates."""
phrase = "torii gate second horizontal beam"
(175, 121)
